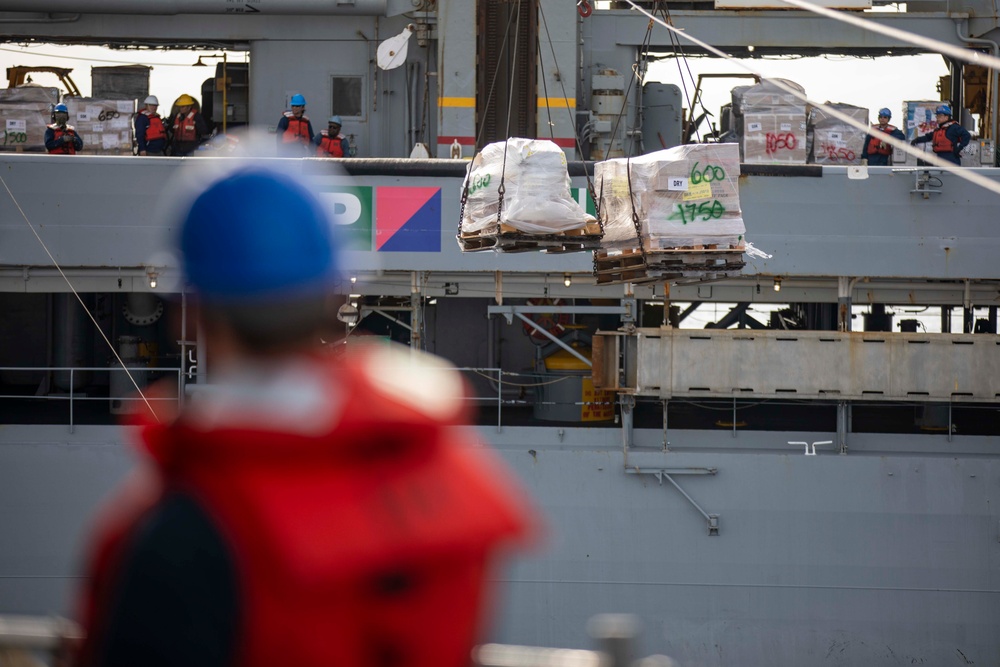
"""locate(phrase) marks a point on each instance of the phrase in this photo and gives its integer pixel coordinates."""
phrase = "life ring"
(554, 323)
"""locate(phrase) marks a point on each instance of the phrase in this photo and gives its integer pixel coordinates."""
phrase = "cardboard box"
(774, 138)
(835, 142)
(683, 196)
(22, 126)
(104, 125)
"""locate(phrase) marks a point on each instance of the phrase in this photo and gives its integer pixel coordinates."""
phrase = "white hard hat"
(152, 100)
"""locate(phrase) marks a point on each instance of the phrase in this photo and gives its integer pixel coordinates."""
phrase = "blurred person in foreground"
(301, 509)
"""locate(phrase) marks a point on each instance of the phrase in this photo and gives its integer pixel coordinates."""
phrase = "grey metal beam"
(814, 365)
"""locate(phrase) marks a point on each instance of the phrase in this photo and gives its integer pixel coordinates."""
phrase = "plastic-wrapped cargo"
(772, 123)
(23, 126)
(684, 196)
(835, 142)
(537, 198)
(104, 125)
(30, 93)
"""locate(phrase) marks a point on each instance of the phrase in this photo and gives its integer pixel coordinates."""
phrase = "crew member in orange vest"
(150, 134)
(302, 508)
(189, 129)
(60, 138)
(948, 140)
(875, 150)
(330, 142)
(295, 132)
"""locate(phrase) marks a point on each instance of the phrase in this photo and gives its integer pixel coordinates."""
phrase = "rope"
(79, 299)
(576, 136)
(510, 96)
(545, 88)
(482, 128)
(676, 43)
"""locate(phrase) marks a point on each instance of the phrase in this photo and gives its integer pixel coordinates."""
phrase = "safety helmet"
(152, 100)
(257, 235)
(884, 111)
(335, 120)
(61, 107)
(298, 100)
(943, 109)
(184, 101)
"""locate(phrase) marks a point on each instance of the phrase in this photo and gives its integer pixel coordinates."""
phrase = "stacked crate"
(538, 211)
(835, 142)
(104, 125)
(772, 123)
(676, 212)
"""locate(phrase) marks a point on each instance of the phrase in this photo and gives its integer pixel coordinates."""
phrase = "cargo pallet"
(695, 262)
(511, 240)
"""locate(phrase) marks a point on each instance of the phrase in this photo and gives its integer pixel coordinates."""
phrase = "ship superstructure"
(874, 539)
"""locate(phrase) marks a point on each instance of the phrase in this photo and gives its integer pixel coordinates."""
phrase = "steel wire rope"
(576, 136)
(675, 42)
(957, 170)
(545, 88)
(79, 299)
(482, 128)
(519, 384)
(502, 189)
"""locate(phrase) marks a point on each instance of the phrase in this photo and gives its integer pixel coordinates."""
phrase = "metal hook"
(584, 8)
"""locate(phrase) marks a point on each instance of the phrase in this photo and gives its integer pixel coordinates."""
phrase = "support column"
(457, 79)
(844, 303)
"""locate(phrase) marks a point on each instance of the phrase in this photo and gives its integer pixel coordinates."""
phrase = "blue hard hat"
(884, 111)
(61, 107)
(298, 100)
(943, 109)
(258, 235)
(336, 119)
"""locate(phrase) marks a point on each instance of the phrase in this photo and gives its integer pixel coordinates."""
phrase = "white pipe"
(172, 7)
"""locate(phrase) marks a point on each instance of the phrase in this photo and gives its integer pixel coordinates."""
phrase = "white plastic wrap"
(684, 196)
(537, 198)
(834, 142)
(771, 124)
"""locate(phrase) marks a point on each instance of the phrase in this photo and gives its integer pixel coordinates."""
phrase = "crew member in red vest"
(60, 138)
(189, 129)
(948, 140)
(875, 150)
(330, 142)
(295, 132)
(303, 508)
(150, 134)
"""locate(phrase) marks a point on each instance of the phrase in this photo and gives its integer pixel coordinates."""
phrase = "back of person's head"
(260, 253)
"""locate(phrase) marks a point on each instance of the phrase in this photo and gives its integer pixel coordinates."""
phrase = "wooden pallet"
(510, 240)
(689, 262)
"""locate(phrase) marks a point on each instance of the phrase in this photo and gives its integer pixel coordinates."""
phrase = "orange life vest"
(941, 143)
(386, 516)
(875, 141)
(330, 146)
(297, 130)
(65, 148)
(155, 130)
(184, 128)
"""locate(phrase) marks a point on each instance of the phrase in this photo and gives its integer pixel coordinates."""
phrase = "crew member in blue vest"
(948, 140)
(150, 132)
(330, 142)
(875, 150)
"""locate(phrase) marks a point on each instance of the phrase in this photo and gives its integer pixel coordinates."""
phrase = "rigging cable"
(510, 98)
(950, 167)
(676, 43)
(79, 299)
(482, 128)
(572, 118)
